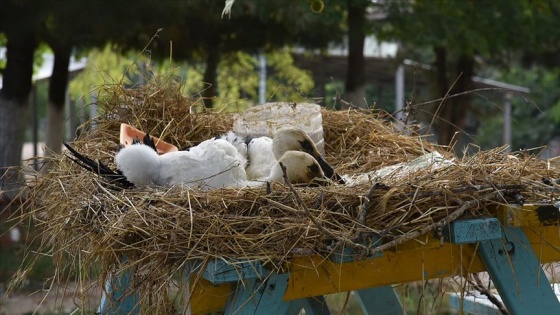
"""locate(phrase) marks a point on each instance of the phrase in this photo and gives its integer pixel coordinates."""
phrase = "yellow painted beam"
(310, 276)
(529, 215)
(314, 276)
(207, 298)
(425, 258)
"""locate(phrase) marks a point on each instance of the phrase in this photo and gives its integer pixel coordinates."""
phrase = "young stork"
(263, 152)
(214, 163)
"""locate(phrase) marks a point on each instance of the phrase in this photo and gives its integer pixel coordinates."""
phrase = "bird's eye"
(314, 168)
(306, 146)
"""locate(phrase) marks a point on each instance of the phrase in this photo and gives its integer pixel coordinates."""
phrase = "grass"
(416, 298)
(13, 254)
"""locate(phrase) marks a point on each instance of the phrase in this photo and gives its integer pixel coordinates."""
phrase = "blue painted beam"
(517, 274)
(261, 297)
(380, 301)
(117, 298)
(472, 230)
(258, 291)
(219, 271)
(315, 306)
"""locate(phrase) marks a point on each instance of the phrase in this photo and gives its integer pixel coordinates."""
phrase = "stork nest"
(160, 230)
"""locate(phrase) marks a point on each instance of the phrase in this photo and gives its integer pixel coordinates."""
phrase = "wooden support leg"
(255, 296)
(517, 274)
(315, 306)
(380, 301)
(116, 300)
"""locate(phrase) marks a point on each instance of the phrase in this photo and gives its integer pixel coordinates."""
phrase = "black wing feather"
(149, 141)
(114, 177)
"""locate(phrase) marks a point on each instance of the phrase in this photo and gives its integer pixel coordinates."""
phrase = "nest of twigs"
(160, 230)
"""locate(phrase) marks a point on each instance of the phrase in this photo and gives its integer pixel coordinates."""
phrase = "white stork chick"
(260, 156)
(239, 143)
(263, 152)
(301, 168)
(214, 163)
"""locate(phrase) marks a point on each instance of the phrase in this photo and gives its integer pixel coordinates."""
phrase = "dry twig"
(477, 284)
(161, 229)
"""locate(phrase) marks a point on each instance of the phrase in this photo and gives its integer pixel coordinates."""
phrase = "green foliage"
(3, 41)
(496, 34)
(468, 27)
(238, 81)
(105, 66)
(287, 82)
(253, 25)
(238, 76)
(555, 111)
(38, 60)
(21, 17)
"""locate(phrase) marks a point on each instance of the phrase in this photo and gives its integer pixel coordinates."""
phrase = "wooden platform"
(526, 238)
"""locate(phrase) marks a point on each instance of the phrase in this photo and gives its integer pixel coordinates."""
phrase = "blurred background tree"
(466, 38)
(18, 22)
(217, 60)
(220, 58)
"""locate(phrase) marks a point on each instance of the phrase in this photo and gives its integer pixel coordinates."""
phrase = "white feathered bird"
(263, 152)
(217, 163)
(213, 163)
(260, 156)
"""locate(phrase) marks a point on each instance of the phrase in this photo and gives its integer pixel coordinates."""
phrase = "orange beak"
(129, 133)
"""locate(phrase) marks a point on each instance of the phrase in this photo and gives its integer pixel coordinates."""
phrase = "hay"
(162, 230)
(361, 141)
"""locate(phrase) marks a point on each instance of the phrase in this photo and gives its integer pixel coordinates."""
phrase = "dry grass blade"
(87, 222)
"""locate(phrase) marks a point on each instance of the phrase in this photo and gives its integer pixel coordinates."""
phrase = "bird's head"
(130, 135)
(293, 139)
(301, 168)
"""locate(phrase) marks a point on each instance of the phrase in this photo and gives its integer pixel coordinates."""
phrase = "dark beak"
(329, 170)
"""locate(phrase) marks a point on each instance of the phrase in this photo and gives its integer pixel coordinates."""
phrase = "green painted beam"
(517, 274)
(380, 301)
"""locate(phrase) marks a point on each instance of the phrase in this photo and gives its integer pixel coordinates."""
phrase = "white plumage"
(239, 143)
(263, 152)
(217, 163)
(259, 153)
(427, 162)
(213, 163)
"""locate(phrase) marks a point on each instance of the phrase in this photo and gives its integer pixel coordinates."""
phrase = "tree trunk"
(452, 112)
(441, 70)
(17, 82)
(355, 75)
(210, 77)
(58, 84)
